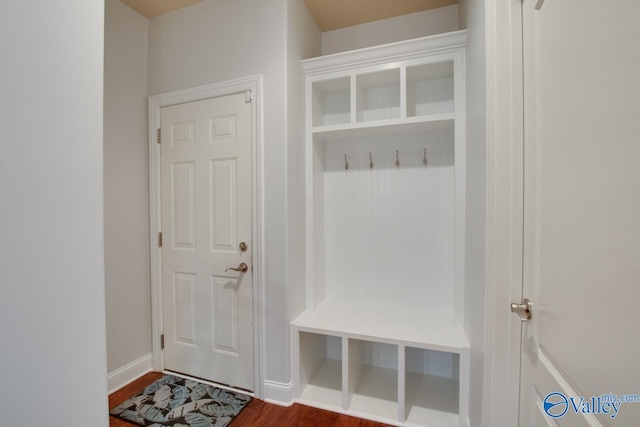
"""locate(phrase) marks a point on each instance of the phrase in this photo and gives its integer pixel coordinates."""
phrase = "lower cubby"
(432, 388)
(398, 383)
(320, 368)
(373, 378)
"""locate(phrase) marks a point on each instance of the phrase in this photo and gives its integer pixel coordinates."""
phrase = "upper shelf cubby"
(398, 83)
(430, 89)
(378, 95)
(331, 102)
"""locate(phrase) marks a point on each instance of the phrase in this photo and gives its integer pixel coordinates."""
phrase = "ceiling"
(328, 14)
(334, 14)
(151, 8)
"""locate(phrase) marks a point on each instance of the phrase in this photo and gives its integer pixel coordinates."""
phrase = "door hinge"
(248, 96)
(162, 342)
(160, 239)
(158, 136)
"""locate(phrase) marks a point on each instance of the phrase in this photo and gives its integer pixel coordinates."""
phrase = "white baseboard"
(278, 393)
(129, 373)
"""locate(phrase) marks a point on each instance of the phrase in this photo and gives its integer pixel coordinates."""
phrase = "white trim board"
(254, 85)
(129, 373)
(386, 53)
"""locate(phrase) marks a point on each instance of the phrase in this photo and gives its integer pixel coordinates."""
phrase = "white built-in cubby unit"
(382, 335)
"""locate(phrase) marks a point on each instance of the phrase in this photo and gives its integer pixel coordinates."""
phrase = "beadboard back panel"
(388, 230)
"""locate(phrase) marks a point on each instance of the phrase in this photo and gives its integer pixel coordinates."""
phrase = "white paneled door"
(206, 230)
(582, 213)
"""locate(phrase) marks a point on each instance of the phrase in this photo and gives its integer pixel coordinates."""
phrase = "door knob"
(242, 268)
(523, 310)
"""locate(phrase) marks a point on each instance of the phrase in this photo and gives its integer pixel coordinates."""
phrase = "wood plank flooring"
(256, 414)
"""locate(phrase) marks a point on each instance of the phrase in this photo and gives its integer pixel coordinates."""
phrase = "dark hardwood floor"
(256, 414)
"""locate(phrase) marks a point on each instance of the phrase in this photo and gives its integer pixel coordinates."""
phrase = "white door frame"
(252, 84)
(504, 227)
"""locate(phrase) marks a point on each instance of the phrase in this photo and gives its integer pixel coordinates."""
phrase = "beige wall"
(390, 30)
(126, 199)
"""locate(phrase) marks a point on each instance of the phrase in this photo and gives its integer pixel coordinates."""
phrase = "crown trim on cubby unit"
(386, 53)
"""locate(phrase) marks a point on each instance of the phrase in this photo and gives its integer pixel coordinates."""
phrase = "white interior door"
(582, 213)
(206, 215)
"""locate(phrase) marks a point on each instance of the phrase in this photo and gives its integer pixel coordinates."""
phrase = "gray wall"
(390, 30)
(214, 41)
(472, 13)
(303, 41)
(52, 313)
(126, 183)
(220, 40)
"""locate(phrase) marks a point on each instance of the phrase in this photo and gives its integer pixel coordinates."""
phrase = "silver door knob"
(242, 268)
(522, 310)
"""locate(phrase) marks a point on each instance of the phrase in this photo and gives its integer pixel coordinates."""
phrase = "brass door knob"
(242, 268)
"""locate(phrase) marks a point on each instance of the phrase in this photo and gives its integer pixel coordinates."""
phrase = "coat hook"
(346, 163)
(424, 161)
(397, 160)
(370, 161)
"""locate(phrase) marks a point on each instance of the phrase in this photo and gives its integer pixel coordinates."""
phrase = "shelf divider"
(402, 374)
(354, 99)
(346, 397)
(403, 92)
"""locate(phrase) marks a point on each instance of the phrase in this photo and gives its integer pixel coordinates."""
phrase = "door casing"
(504, 226)
(253, 85)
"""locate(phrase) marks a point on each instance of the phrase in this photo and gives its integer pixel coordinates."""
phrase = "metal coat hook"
(346, 163)
(370, 161)
(424, 160)
(397, 160)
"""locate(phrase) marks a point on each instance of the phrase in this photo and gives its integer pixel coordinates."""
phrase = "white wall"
(53, 368)
(303, 41)
(126, 197)
(219, 40)
(390, 30)
(472, 13)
